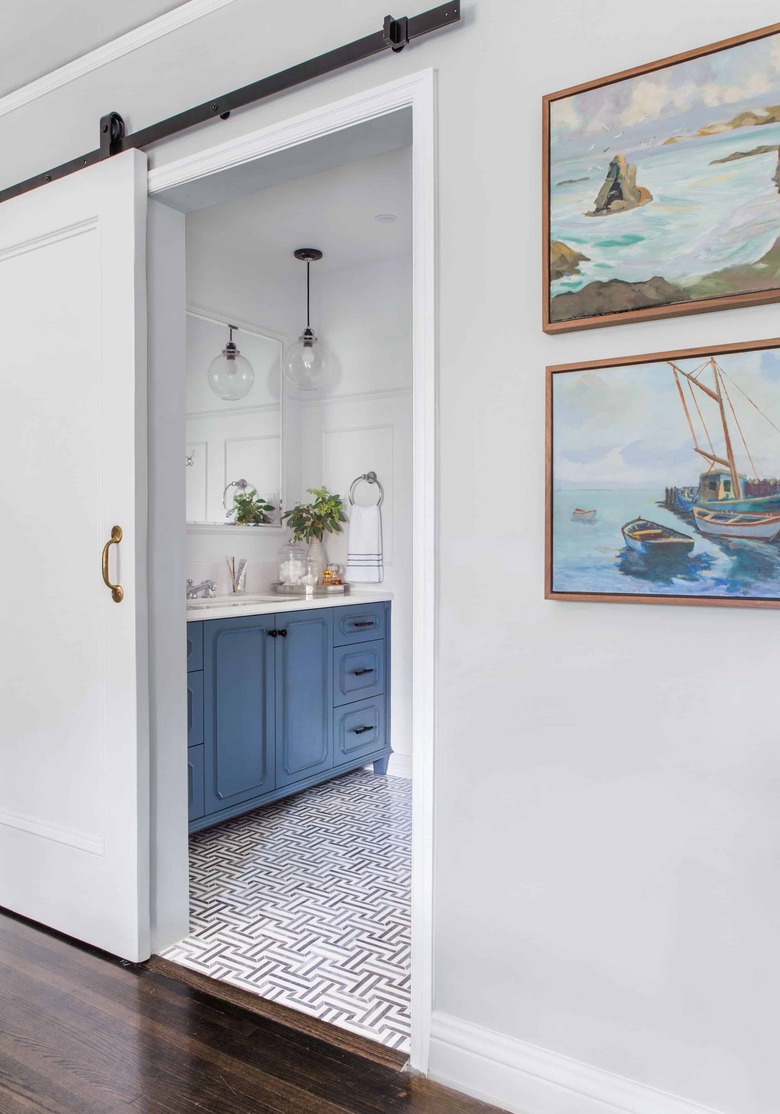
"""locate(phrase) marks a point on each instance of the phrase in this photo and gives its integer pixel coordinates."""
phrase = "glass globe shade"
(231, 375)
(307, 362)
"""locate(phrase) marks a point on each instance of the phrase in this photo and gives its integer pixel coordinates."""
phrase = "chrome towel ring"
(242, 485)
(370, 478)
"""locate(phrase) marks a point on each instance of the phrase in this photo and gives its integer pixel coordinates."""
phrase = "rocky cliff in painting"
(620, 191)
(776, 175)
(564, 260)
(615, 296)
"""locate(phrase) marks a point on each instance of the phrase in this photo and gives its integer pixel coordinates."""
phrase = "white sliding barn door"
(74, 777)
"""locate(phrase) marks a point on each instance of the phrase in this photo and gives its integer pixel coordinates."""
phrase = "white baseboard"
(524, 1079)
(400, 765)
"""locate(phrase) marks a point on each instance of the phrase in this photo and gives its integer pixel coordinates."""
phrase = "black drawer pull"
(360, 672)
(370, 623)
(360, 730)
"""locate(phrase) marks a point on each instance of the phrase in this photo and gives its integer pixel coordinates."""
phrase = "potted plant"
(250, 509)
(311, 521)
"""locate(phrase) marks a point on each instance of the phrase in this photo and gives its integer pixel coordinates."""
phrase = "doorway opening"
(300, 853)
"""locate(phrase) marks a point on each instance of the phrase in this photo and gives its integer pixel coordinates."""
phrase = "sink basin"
(231, 601)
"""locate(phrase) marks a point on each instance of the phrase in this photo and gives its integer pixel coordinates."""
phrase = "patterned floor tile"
(307, 902)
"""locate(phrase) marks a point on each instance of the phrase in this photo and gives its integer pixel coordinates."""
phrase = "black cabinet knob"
(282, 633)
(272, 633)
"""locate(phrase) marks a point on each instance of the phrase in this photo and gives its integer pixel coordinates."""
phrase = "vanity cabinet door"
(195, 782)
(304, 737)
(194, 646)
(239, 674)
(194, 709)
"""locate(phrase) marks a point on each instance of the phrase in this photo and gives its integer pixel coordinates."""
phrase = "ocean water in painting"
(703, 136)
(702, 218)
(591, 556)
(623, 440)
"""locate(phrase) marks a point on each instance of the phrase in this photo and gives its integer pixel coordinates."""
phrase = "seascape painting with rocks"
(665, 187)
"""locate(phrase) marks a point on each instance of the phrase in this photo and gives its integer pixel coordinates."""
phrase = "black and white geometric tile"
(307, 902)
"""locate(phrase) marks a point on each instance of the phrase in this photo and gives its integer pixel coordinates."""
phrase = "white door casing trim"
(418, 92)
(524, 1079)
(109, 52)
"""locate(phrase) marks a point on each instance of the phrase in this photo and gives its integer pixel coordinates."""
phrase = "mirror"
(232, 446)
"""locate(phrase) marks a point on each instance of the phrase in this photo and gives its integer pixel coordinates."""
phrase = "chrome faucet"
(208, 588)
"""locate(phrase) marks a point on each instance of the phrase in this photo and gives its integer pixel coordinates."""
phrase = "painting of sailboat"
(680, 452)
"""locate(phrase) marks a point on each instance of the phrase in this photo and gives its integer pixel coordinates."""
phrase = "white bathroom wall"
(231, 440)
(602, 896)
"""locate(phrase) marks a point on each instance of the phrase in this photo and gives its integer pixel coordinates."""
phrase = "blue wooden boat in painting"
(651, 538)
(686, 498)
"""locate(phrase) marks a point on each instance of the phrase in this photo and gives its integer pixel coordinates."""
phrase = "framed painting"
(662, 478)
(662, 187)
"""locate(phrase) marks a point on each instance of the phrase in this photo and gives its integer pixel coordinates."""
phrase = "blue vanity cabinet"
(359, 671)
(195, 709)
(239, 710)
(304, 734)
(288, 700)
(195, 783)
(360, 729)
(194, 646)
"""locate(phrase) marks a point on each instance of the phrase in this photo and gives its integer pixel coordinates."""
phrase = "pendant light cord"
(308, 269)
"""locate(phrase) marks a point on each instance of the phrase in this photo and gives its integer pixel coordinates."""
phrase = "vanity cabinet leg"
(380, 766)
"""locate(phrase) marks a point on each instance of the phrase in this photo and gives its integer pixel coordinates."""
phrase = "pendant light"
(231, 375)
(306, 363)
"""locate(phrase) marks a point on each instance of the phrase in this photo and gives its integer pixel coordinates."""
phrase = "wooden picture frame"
(724, 280)
(717, 570)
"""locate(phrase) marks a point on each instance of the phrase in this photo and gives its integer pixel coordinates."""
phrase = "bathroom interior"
(300, 654)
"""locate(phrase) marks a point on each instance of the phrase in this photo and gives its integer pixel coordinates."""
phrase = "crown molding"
(110, 52)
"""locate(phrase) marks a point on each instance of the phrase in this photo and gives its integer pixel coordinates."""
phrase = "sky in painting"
(686, 96)
(625, 426)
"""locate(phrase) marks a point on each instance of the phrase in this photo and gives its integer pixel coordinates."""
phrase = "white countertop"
(268, 606)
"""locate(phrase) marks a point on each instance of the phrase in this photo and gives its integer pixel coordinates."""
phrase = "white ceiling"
(333, 210)
(39, 36)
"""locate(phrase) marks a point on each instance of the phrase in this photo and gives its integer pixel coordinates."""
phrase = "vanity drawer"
(362, 623)
(194, 709)
(359, 728)
(195, 784)
(194, 646)
(358, 672)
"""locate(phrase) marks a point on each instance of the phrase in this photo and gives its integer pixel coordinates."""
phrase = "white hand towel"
(365, 561)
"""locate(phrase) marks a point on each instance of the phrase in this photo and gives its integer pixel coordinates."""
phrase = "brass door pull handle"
(117, 591)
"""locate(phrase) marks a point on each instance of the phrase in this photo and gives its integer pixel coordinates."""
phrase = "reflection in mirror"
(233, 447)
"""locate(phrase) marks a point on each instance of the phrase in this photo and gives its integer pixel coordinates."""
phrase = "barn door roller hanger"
(395, 35)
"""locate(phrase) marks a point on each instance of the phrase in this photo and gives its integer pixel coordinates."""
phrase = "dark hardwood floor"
(82, 1033)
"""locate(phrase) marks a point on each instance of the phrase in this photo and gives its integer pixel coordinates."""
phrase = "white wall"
(612, 897)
